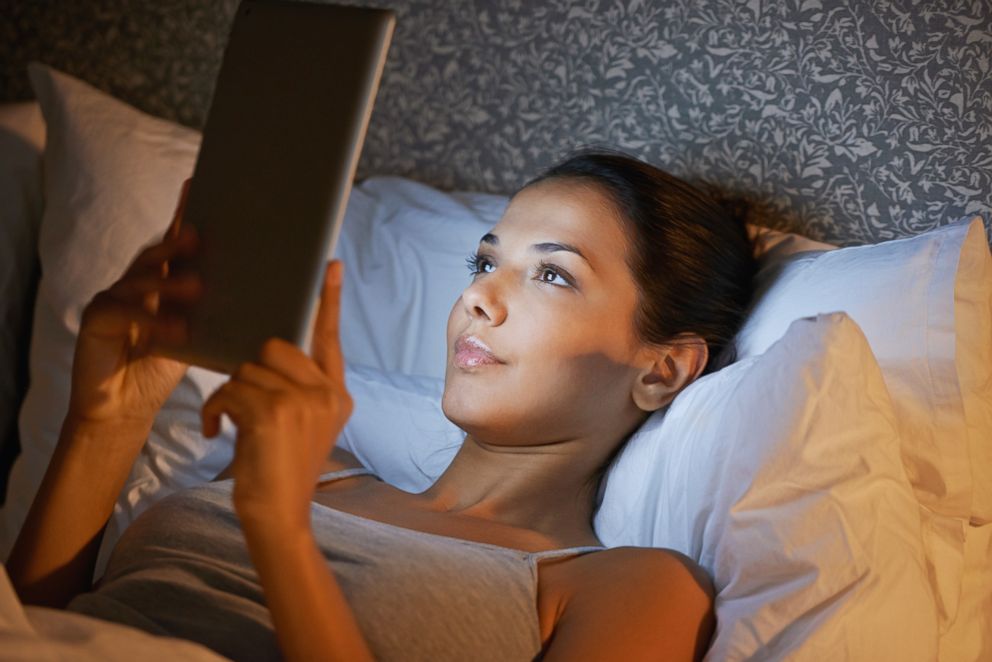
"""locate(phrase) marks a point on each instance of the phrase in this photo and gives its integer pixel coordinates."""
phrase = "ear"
(667, 370)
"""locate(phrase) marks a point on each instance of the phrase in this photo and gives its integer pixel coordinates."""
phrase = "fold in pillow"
(925, 305)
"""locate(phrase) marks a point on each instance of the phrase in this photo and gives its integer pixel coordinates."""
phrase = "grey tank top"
(182, 569)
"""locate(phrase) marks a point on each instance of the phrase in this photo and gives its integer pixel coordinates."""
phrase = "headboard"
(852, 122)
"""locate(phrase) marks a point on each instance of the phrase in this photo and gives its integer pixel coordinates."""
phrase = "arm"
(646, 604)
(55, 553)
(117, 388)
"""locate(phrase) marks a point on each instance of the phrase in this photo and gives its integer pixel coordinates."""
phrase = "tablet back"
(279, 152)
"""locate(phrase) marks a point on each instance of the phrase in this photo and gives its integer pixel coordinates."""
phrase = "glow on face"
(543, 338)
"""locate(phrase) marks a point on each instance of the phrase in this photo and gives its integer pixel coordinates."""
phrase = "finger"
(289, 361)
(326, 347)
(178, 288)
(262, 377)
(238, 401)
(154, 256)
(177, 217)
(107, 317)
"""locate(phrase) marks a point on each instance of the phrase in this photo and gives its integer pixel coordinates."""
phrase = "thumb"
(326, 339)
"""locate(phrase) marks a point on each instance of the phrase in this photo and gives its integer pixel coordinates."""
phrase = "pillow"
(774, 473)
(22, 136)
(925, 305)
(397, 427)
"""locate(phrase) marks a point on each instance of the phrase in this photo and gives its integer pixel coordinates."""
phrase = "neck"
(545, 488)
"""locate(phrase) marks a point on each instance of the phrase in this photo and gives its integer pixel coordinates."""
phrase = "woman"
(606, 288)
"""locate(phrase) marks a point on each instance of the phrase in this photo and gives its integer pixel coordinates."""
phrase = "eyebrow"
(543, 247)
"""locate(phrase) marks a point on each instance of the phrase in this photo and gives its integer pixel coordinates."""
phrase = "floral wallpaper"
(851, 121)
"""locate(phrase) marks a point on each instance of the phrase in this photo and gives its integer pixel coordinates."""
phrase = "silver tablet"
(280, 147)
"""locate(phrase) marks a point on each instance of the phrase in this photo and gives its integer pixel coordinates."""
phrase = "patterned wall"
(852, 121)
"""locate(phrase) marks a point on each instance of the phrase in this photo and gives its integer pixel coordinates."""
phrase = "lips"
(470, 352)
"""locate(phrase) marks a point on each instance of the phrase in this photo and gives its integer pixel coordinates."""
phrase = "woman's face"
(541, 344)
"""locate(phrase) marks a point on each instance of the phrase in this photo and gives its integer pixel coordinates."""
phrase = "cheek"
(455, 315)
(573, 335)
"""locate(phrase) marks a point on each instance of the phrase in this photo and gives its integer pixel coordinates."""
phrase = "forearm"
(55, 553)
(311, 616)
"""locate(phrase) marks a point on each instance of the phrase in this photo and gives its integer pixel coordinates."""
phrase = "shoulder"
(634, 603)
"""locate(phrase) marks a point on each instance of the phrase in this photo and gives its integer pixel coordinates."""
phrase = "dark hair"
(690, 255)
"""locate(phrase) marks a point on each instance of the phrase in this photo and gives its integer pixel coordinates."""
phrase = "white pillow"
(925, 305)
(22, 137)
(776, 474)
(397, 428)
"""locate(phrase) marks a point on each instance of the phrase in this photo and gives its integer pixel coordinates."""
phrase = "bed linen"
(428, 207)
(38, 634)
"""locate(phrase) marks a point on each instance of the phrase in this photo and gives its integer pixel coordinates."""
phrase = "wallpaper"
(852, 121)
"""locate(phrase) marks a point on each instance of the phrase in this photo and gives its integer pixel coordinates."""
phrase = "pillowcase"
(780, 474)
(925, 305)
(22, 136)
(397, 427)
(907, 295)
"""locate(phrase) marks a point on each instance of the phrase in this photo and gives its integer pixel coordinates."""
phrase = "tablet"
(279, 152)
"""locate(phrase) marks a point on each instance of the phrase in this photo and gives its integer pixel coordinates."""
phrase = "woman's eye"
(479, 264)
(553, 275)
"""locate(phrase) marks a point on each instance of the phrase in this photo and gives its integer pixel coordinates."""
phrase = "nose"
(483, 300)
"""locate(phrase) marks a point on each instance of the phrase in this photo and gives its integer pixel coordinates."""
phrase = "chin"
(474, 415)
(453, 406)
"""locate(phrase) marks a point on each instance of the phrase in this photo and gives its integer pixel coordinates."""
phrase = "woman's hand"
(115, 377)
(289, 409)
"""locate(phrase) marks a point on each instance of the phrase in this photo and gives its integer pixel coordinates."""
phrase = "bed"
(835, 479)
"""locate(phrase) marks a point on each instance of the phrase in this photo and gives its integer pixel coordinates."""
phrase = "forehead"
(569, 211)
